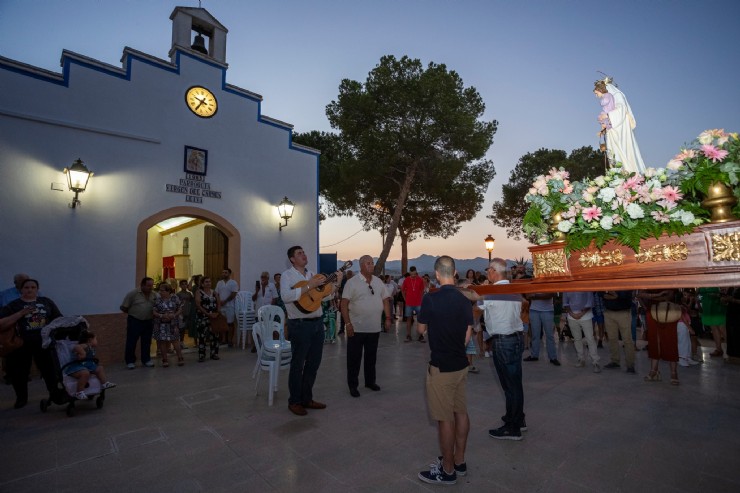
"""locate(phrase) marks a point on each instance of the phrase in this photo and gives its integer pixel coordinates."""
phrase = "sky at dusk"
(533, 62)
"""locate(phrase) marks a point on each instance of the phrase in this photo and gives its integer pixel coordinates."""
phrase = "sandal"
(653, 376)
(165, 363)
(180, 361)
(716, 353)
(408, 339)
(674, 379)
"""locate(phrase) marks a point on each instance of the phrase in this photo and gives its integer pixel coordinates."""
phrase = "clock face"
(201, 101)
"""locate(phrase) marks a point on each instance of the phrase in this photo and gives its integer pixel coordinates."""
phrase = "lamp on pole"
(489, 246)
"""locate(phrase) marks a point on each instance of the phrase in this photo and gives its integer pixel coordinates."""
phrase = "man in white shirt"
(504, 323)
(264, 292)
(305, 329)
(226, 290)
(364, 299)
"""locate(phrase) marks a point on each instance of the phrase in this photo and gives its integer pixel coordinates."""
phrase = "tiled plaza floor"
(201, 428)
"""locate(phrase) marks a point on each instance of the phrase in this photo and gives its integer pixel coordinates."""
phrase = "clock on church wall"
(201, 101)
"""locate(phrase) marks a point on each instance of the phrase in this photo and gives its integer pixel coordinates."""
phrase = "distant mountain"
(425, 264)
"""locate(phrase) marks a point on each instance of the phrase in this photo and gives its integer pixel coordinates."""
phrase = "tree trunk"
(396, 218)
(404, 252)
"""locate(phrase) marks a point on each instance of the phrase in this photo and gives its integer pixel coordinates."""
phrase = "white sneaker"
(149, 364)
(683, 362)
(487, 354)
(107, 385)
(131, 366)
(81, 396)
(693, 362)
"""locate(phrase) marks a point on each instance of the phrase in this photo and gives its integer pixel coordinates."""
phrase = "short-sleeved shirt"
(447, 314)
(413, 290)
(140, 306)
(224, 290)
(503, 312)
(29, 327)
(365, 305)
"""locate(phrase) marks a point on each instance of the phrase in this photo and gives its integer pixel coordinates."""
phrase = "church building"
(187, 175)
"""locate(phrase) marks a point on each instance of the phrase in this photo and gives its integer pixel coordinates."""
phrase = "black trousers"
(18, 366)
(355, 346)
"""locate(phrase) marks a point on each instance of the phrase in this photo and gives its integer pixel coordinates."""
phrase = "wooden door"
(215, 253)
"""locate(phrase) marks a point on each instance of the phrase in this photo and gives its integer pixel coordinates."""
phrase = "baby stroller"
(60, 336)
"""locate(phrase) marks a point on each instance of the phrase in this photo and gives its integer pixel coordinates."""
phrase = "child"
(83, 363)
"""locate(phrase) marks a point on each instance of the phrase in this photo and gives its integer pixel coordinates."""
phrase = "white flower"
(674, 164)
(600, 181)
(564, 226)
(685, 217)
(650, 172)
(705, 137)
(635, 211)
(607, 194)
(606, 222)
(618, 180)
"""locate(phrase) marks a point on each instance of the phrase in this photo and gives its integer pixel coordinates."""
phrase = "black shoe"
(505, 433)
(631, 370)
(215, 357)
(600, 345)
(373, 386)
(555, 362)
(460, 469)
(530, 358)
(421, 339)
(523, 427)
(612, 366)
(354, 392)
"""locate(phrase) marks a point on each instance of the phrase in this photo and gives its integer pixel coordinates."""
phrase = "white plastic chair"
(272, 316)
(273, 355)
(245, 316)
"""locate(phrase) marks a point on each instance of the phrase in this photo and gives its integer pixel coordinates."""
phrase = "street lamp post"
(489, 246)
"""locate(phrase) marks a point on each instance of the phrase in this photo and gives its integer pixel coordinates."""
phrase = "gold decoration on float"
(550, 263)
(602, 259)
(726, 247)
(663, 253)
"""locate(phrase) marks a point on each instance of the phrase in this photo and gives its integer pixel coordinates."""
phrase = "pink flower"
(660, 216)
(671, 194)
(674, 164)
(616, 219)
(568, 189)
(685, 154)
(632, 182)
(713, 153)
(591, 213)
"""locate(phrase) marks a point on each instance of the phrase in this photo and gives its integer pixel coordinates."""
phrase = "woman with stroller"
(83, 364)
(166, 312)
(208, 307)
(27, 315)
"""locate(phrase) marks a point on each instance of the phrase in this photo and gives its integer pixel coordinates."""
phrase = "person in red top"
(412, 290)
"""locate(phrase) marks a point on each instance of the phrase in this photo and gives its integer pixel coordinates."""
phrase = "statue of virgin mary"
(618, 123)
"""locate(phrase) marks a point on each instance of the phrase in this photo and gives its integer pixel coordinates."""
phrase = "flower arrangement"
(714, 156)
(617, 206)
(629, 207)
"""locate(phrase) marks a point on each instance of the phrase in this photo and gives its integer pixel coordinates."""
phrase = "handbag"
(219, 324)
(9, 341)
(665, 312)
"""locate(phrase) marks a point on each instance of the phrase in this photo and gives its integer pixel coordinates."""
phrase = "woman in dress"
(208, 307)
(714, 317)
(166, 312)
(27, 315)
(618, 123)
(662, 336)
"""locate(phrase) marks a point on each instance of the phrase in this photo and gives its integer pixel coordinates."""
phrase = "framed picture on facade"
(196, 161)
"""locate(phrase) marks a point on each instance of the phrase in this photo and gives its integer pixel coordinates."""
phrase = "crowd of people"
(458, 324)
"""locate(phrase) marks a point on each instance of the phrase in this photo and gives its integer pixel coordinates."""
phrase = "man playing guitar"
(305, 330)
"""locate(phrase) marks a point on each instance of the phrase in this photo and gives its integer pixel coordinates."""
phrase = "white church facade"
(187, 174)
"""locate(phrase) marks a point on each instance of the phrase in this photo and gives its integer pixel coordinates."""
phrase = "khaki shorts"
(446, 393)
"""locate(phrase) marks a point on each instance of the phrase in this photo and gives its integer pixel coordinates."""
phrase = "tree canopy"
(509, 211)
(409, 139)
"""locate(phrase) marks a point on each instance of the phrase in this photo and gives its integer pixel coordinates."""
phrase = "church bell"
(199, 44)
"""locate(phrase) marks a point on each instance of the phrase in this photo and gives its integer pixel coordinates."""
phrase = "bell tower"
(196, 30)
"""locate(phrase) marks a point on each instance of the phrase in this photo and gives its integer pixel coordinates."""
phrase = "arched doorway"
(230, 237)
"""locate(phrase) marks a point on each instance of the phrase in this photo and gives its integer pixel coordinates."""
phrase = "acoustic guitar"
(310, 301)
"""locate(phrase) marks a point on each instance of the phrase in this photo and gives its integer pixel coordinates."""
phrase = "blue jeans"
(138, 329)
(540, 321)
(507, 359)
(307, 345)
